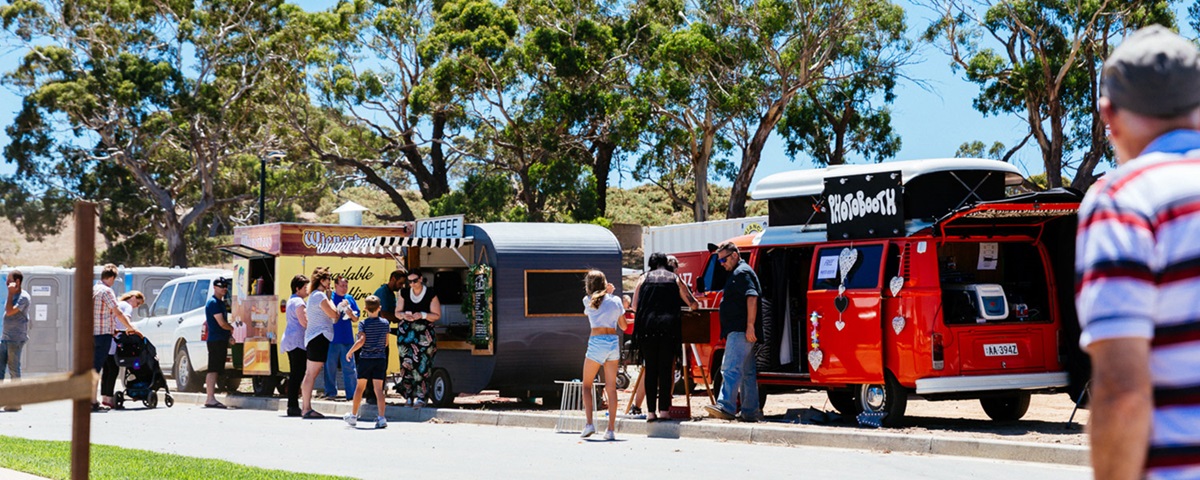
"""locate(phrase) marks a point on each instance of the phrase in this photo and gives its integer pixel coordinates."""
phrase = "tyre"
(170, 402)
(151, 400)
(441, 390)
(890, 398)
(622, 381)
(843, 401)
(229, 383)
(186, 379)
(1006, 408)
(265, 386)
(119, 399)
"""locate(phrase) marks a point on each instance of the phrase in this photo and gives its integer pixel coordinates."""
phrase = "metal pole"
(262, 188)
(85, 259)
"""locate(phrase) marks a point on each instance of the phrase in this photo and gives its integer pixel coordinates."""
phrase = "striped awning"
(391, 245)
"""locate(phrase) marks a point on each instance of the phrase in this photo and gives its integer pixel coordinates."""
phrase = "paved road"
(431, 450)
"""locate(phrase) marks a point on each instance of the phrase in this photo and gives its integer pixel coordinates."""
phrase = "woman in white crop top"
(606, 313)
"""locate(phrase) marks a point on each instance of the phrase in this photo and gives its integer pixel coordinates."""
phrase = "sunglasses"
(722, 259)
(414, 280)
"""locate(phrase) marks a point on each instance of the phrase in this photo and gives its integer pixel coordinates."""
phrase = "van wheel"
(229, 383)
(441, 390)
(890, 398)
(843, 401)
(1006, 408)
(185, 377)
(264, 386)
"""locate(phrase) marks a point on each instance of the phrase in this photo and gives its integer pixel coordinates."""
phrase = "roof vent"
(350, 213)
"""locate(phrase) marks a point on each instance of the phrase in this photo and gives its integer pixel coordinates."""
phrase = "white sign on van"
(989, 255)
(39, 312)
(828, 268)
(450, 226)
(41, 291)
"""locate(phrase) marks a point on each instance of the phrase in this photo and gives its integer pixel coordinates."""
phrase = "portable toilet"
(50, 327)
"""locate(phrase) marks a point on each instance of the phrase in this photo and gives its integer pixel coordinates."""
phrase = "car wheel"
(185, 377)
(1006, 408)
(441, 390)
(890, 398)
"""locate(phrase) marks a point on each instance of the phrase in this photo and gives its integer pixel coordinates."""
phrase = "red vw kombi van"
(926, 277)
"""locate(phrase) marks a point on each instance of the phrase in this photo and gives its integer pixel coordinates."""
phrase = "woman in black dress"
(658, 331)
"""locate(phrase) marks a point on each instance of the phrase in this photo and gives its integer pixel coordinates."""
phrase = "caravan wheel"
(441, 390)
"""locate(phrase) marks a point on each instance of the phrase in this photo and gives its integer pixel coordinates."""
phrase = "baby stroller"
(143, 375)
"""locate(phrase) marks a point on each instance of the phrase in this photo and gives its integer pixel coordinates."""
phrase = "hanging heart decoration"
(846, 260)
(814, 359)
(898, 323)
(815, 356)
(841, 302)
(839, 324)
(895, 285)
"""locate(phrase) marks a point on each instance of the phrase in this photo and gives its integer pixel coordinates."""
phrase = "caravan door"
(843, 322)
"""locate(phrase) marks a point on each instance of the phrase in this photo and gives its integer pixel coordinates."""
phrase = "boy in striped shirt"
(1138, 264)
(372, 360)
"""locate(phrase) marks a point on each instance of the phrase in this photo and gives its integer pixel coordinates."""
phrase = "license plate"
(1000, 349)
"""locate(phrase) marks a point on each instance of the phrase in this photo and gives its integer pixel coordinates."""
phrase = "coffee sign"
(865, 206)
(440, 227)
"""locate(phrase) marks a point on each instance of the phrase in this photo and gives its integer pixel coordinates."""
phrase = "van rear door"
(845, 295)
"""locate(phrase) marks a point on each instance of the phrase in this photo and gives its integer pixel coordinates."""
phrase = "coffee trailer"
(918, 277)
(521, 329)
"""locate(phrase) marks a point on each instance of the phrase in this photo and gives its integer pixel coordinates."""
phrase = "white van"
(174, 323)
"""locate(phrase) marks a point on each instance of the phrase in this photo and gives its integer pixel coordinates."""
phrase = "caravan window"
(554, 293)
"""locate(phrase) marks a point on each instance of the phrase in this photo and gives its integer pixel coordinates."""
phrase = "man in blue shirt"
(219, 331)
(739, 312)
(343, 339)
(15, 330)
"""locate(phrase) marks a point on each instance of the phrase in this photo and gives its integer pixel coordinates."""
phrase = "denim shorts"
(602, 348)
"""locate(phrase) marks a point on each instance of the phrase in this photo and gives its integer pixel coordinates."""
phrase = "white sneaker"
(588, 430)
(419, 403)
(609, 435)
(380, 422)
(350, 419)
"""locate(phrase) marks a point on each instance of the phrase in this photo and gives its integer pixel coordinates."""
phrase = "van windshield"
(864, 273)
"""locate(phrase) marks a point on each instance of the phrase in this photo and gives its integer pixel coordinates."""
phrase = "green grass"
(53, 460)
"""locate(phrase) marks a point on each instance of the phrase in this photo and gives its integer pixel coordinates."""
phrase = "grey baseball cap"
(1154, 72)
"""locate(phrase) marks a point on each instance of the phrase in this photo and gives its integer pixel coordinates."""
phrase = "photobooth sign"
(865, 206)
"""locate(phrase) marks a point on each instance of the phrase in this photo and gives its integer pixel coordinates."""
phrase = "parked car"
(175, 324)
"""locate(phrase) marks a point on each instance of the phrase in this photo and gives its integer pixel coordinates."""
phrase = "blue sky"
(932, 121)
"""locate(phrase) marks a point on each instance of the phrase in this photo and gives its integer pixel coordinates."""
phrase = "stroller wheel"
(169, 401)
(119, 398)
(622, 381)
(151, 400)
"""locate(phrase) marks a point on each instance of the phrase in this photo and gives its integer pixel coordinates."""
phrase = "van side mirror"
(143, 310)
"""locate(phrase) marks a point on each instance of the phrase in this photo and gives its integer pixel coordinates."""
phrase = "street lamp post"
(262, 183)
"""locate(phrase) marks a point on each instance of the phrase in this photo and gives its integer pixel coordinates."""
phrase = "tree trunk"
(751, 158)
(172, 231)
(601, 168)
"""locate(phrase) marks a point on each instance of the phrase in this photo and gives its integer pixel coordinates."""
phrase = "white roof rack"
(798, 183)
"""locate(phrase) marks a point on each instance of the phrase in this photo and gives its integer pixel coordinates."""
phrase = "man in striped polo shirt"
(1138, 264)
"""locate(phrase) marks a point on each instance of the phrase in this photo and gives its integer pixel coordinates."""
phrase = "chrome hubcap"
(873, 397)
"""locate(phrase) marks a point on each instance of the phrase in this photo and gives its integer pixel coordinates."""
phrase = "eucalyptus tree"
(1041, 59)
(828, 60)
(693, 71)
(361, 60)
(536, 81)
(167, 93)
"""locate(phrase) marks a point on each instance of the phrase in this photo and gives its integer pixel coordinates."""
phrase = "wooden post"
(85, 260)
